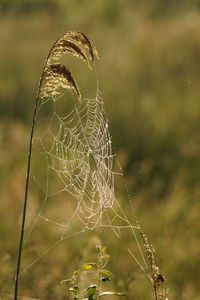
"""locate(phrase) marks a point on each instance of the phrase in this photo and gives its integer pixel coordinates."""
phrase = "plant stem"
(155, 292)
(25, 200)
(99, 266)
(28, 178)
(27, 181)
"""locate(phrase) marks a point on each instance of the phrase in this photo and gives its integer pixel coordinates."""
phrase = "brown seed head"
(56, 76)
(158, 280)
(64, 46)
(79, 38)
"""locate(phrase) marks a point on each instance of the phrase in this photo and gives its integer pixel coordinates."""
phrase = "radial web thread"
(79, 154)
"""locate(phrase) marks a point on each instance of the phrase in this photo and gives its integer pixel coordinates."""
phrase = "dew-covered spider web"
(77, 150)
(77, 177)
(77, 187)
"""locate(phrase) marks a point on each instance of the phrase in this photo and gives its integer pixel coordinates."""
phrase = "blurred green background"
(149, 72)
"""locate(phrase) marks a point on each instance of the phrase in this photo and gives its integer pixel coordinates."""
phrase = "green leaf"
(66, 281)
(75, 276)
(103, 249)
(107, 273)
(76, 290)
(111, 293)
(88, 266)
(104, 279)
(76, 273)
(91, 290)
(105, 256)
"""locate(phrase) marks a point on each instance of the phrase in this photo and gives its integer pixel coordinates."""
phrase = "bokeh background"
(149, 73)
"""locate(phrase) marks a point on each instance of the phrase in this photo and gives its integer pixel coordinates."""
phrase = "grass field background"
(149, 72)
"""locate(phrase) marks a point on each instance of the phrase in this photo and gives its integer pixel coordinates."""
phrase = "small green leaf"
(76, 290)
(104, 279)
(66, 281)
(77, 272)
(107, 273)
(111, 293)
(103, 249)
(88, 266)
(91, 290)
(105, 257)
(75, 276)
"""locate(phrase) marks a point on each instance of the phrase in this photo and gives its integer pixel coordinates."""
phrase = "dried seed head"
(158, 280)
(81, 40)
(56, 76)
(63, 46)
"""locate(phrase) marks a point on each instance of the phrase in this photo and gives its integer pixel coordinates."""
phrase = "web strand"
(77, 150)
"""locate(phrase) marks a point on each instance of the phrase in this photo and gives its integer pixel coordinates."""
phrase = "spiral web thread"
(80, 155)
(77, 150)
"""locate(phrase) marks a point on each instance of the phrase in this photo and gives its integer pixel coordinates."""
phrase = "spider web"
(80, 168)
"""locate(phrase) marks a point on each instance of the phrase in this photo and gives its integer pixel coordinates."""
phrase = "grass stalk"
(17, 274)
(74, 43)
(25, 201)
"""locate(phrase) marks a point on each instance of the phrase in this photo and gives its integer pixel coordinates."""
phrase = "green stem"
(98, 269)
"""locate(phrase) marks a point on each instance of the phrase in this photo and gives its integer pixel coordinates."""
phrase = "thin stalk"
(17, 274)
(155, 292)
(25, 201)
(98, 270)
(28, 173)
